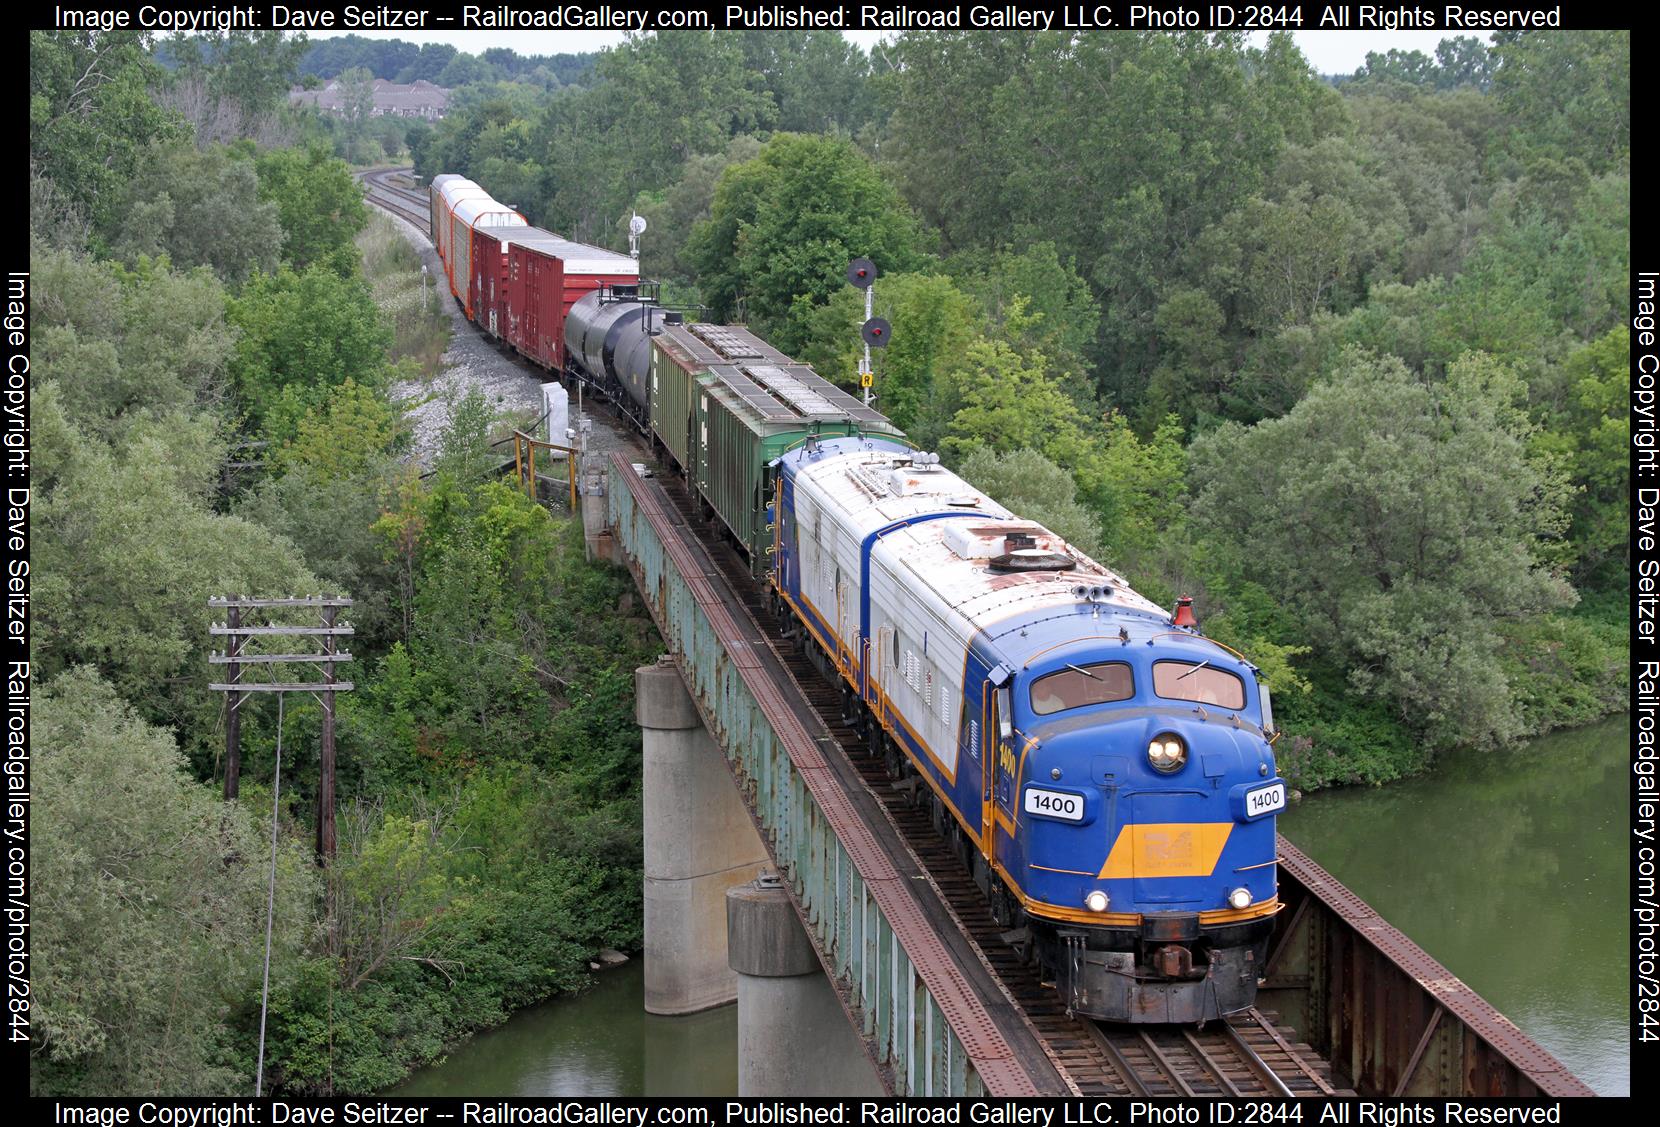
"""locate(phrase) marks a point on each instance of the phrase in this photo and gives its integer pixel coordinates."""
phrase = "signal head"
(861, 272)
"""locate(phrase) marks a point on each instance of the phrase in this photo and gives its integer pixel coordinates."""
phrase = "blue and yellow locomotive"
(1106, 768)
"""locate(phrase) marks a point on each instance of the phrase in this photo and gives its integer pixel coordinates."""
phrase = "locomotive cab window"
(1184, 680)
(1080, 685)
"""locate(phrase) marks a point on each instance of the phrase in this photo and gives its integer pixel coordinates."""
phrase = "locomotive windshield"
(1181, 680)
(1078, 685)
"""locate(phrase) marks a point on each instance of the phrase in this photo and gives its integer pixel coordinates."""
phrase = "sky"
(1329, 52)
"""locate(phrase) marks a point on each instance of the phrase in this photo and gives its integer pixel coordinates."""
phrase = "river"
(600, 1042)
(1510, 869)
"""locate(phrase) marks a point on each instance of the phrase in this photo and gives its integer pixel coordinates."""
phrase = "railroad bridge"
(786, 871)
(749, 768)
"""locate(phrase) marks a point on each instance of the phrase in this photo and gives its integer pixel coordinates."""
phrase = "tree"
(1003, 400)
(118, 342)
(230, 84)
(127, 554)
(672, 214)
(431, 61)
(319, 204)
(357, 103)
(1569, 95)
(91, 115)
(818, 80)
(1591, 432)
(149, 906)
(302, 335)
(1399, 520)
(1119, 149)
(785, 225)
(200, 207)
(604, 145)
(1038, 286)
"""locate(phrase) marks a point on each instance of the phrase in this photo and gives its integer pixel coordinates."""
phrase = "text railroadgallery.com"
(755, 1112)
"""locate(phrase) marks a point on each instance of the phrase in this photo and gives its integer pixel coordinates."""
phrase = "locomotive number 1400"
(1055, 804)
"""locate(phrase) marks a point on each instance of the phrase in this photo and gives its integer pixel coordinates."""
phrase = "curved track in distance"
(390, 190)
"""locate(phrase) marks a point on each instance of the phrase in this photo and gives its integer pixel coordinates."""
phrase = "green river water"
(1510, 869)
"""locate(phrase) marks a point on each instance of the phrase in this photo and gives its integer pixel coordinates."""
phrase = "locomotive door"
(1001, 761)
(988, 769)
(841, 618)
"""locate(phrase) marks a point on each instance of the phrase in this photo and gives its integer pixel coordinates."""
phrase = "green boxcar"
(676, 368)
(727, 404)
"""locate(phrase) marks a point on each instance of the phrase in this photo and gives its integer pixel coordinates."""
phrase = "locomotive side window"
(1182, 680)
(1080, 685)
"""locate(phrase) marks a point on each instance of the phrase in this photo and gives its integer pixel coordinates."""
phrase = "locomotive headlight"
(1096, 901)
(1239, 898)
(1166, 752)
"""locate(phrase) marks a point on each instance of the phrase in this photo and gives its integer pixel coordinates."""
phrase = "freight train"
(1105, 771)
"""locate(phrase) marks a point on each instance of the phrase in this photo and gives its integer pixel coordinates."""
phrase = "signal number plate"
(1265, 800)
(1055, 804)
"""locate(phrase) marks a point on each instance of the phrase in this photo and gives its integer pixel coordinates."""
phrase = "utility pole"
(233, 704)
(325, 786)
(237, 686)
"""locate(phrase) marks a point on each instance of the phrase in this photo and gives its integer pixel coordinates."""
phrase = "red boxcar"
(546, 275)
(487, 288)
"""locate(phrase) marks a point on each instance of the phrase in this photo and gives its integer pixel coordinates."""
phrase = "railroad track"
(384, 192)
(1248, 1055)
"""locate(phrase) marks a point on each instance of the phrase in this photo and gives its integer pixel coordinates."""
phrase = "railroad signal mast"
(861, 272)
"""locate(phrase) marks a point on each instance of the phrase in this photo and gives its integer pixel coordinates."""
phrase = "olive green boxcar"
(736, 405)
(678, 362)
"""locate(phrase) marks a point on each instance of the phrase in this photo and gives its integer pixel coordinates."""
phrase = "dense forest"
(191, 299)
(1345, 360)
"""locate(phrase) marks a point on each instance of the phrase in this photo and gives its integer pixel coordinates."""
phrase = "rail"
(410, 206)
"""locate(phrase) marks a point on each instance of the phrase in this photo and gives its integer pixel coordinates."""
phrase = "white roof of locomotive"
(875, 489)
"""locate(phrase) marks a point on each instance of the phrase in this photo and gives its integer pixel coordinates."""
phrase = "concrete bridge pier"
(794, 1038)
(699, 842)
